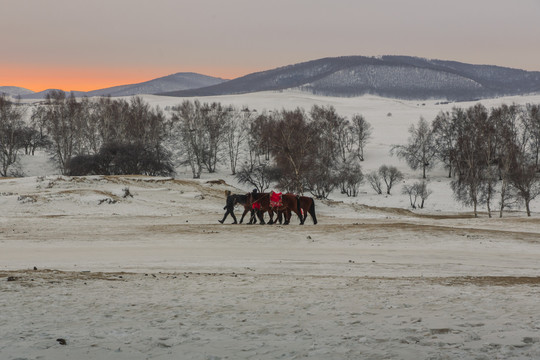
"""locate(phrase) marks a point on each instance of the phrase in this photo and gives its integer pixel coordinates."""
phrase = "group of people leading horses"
(283, 205)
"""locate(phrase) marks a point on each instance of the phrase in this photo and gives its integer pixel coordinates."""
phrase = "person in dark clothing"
(232, 200)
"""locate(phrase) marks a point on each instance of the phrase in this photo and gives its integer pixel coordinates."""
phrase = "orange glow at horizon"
(85, 79)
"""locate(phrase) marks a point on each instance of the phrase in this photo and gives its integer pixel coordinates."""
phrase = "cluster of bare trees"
(390, 175)
(492, 154)
(316, 151)
(100, 136)
(200, 131)
(15, 136)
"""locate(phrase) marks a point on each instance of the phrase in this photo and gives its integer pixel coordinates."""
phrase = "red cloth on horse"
(275, 199)
(256, 206)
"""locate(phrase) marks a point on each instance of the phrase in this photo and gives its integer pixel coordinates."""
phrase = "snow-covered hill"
(174, 82)
(390, 76)
(14, 91)
(390, 120)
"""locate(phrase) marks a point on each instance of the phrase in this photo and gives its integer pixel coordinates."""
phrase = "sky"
(86, 45)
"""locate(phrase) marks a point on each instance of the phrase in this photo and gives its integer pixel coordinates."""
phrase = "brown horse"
(289, 202)
(307, 205)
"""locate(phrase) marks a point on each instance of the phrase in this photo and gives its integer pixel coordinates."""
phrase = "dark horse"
(232, 200)
(307, 205)
(289, 202)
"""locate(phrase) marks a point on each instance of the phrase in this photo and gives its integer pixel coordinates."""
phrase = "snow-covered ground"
(155, 276)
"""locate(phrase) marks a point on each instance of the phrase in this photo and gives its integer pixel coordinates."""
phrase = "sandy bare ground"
(156, 277)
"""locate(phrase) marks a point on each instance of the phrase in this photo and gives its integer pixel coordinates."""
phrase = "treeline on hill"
(490, 154)
(315, 151)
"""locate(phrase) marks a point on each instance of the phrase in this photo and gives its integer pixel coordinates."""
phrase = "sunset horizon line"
(71, 79)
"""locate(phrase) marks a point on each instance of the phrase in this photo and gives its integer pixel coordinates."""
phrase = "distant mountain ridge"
(178, 81)
(174, 82)
(14, 91)
(389, 76)
(392, 76)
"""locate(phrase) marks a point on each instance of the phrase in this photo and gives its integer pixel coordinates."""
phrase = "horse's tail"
(299, 210)
(312, 211)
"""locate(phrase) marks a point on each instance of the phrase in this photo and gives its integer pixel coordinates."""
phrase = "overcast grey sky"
(228, 38)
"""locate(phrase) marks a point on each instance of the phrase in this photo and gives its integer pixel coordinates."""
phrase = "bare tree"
(415, 191)
(361, 133)
(215, 118)
(390, 175)
(423, 192)
(31, 139)
(61, 117)
(526, 181)
(420, 152)
(329, 131)
(293, 144)
(259, 139)
(236, 134)
(470, 160)
(112, 117)
(532, 122)
(444, 132)
(321, 181)
(11, 134)
(488, 129)
(374, 179)
(412, 192)
(350, 177)
(332, 130)
(188, 125)
(260, 176)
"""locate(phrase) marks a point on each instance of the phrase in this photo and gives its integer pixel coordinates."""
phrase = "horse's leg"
(260, 216)
(286, 216)
(299, 216)
(312, 213)
(271, 214)
(244, 214)
(289, 214)
(280, 217)
(252, 217)
(298, 210)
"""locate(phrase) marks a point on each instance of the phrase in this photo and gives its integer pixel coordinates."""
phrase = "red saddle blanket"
(275, 199)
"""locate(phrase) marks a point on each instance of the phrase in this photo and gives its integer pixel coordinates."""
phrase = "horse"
(289, 202)
(232, 200)
(307, 205)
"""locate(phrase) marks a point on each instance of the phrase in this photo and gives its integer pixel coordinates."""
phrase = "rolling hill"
(389, 76)
(14, 91)
(174, 82)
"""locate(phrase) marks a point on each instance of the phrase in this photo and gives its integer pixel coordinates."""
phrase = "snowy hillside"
(416, 82)
(390, 120)
(401, 77)
(174, 82)
(14, 91)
